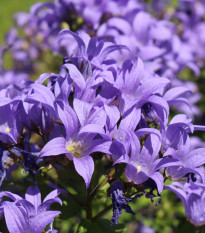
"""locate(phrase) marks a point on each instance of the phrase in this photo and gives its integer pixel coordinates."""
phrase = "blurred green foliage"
(8, 8)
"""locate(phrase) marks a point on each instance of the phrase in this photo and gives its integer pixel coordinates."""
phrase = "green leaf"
(84, 225)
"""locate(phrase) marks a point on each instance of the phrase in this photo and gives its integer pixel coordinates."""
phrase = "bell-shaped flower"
(189, 161)
(176, 132)
(29, 214)
(9, 130)
(85, 134)
(85, 49)
(130, 89)
(192, 195)
(142, 165)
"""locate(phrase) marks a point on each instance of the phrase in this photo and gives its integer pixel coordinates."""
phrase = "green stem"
(101, 213)
(89, 205)
(93, 193)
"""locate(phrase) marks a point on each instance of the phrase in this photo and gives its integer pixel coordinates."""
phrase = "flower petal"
(15, 220)
(55, 146)
(85, 168)
(38, 223)
(33, 195)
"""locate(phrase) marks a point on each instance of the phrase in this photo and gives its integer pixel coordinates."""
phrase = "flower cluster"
(109, 101)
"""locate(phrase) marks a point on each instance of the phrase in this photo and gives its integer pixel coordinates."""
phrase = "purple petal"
(92, 49)
(131, 119)
(195, 158)
(167, 162)
(66, 33)
(54, 147)
(69, 119)
(151, 86)
(159, 180)
(82, 110)
(156, 100)
(123, 159)
(85, 168)
(151, 146)
(33, 195)
(113, 115)
(132, 174)
(26, 208)
(135, 146)
(13, 196)
(151, 52)
(175, 92)
(100, 145)
(132, 79)
(179, 192)
(15, 220)
(141, 25)
(109, 50)
(46, 204)
(98, 117)
(75, 75)
(53, 194)
(91, 128)
(38, 223)
(42, 95)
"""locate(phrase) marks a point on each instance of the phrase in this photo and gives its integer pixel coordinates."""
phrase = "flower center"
(7, 129)
(138, 168)
(75, 148)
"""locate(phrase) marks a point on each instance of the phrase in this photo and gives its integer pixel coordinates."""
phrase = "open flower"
(28, 215)
(193, 197)
(84, 135)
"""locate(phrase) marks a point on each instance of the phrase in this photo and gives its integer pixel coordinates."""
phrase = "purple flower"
(189, 161)
(85, 49)
(142, 165)
(29, 214)
(85, 134)
(192, 195)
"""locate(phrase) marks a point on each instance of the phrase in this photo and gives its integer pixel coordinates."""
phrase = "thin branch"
(94, 191)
